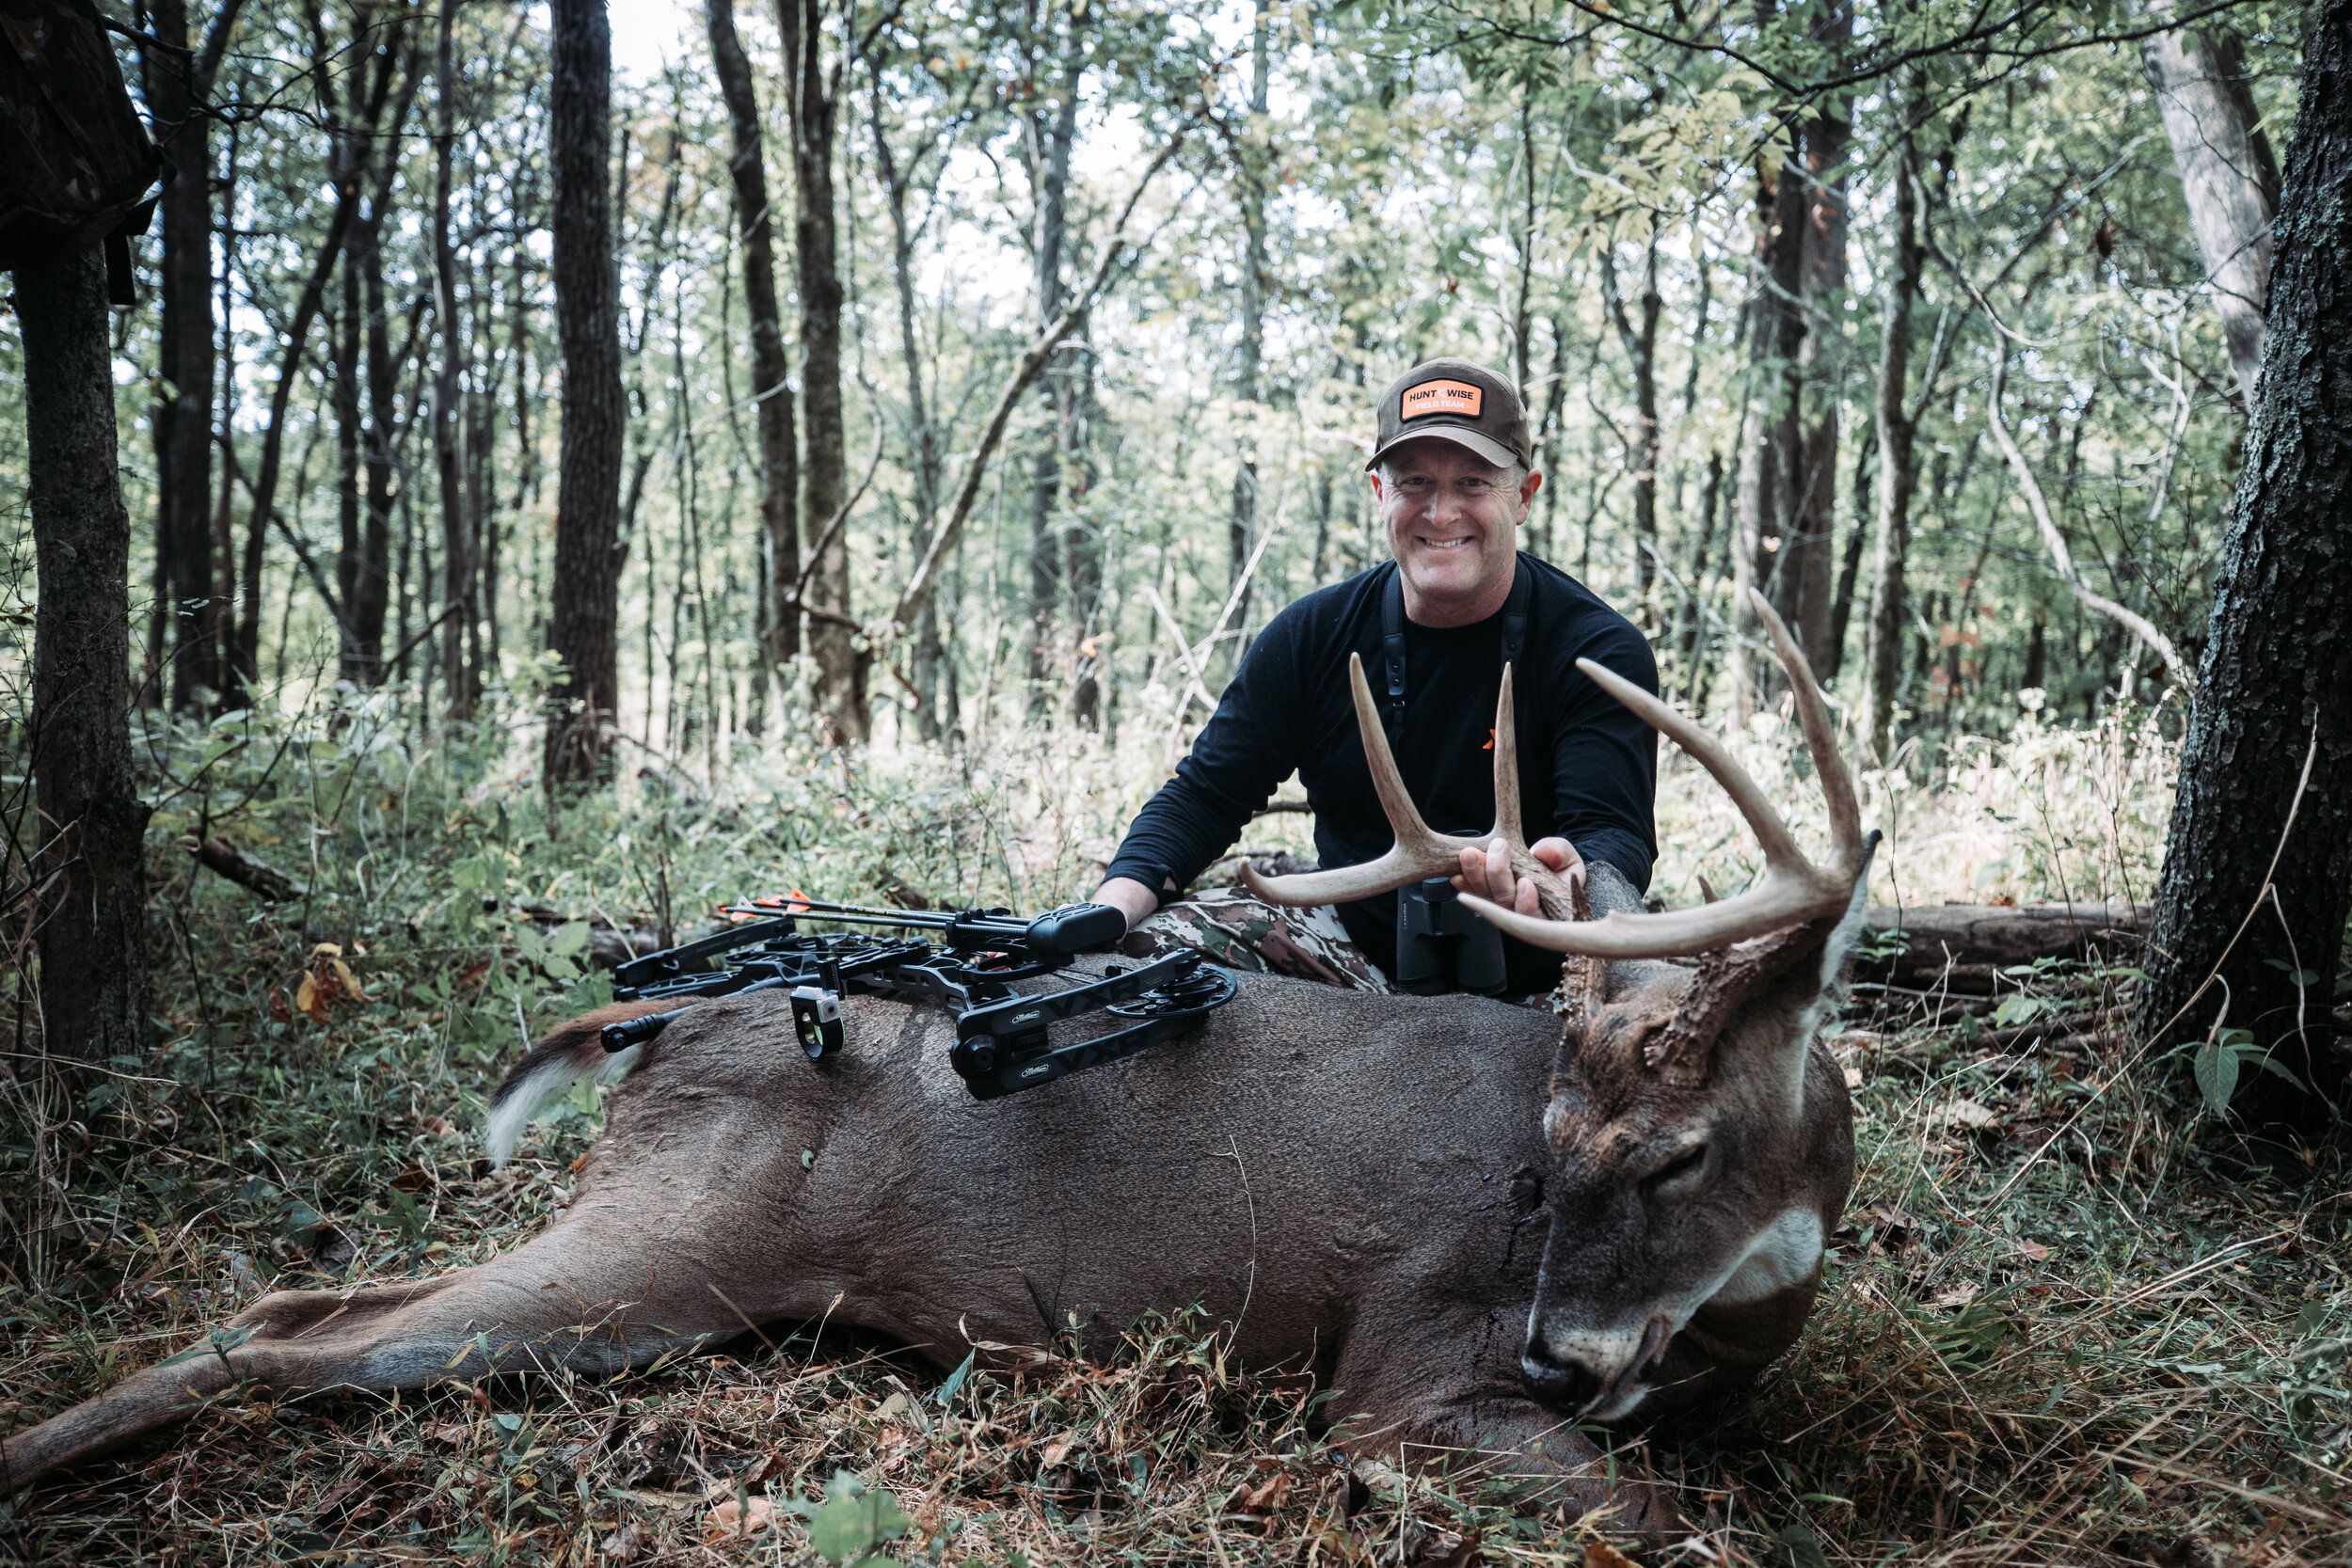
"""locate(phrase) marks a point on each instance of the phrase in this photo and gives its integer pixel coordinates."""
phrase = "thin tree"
(178, 82)
(812, 96)
(771, 393)
(2228, 175)
(2258, 864)
(582, 628)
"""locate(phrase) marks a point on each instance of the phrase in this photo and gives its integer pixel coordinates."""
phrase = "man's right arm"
(1241, 755)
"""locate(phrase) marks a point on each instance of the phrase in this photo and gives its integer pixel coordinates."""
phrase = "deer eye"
(1683, 1165)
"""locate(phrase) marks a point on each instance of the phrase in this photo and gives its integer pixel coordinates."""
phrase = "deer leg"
(583, 1295)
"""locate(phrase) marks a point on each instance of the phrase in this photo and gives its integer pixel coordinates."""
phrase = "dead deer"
(1341, 1180)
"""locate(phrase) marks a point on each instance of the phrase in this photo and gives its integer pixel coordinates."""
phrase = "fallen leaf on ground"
(733, 1518)
(1966, 1113)
(1600, 1554)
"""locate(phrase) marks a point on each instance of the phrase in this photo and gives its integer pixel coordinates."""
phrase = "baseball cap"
(1454, 399)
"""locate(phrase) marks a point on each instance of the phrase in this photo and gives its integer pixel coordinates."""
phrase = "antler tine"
(1417, 852)
(1820, 737)
(1792, 889)
(1507, 818)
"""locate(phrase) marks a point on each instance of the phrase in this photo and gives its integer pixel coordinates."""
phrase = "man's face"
(1452, 520)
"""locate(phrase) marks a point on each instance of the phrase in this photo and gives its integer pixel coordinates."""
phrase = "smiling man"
(1450, 476)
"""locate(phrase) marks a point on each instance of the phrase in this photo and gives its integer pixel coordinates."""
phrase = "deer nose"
(1565, 1381)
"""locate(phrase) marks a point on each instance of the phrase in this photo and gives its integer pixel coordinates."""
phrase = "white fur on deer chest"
(1783, 1253)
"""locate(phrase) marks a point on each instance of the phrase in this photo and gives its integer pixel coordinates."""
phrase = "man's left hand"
(1487, 872)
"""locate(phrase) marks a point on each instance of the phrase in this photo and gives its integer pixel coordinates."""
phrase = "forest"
(487, 486)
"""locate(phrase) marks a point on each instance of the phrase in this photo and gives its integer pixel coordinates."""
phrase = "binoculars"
(1442, 946)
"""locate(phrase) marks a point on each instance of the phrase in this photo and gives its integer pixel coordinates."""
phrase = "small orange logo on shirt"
(1443, 397)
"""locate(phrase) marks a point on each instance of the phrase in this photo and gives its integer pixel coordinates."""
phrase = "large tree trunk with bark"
(1048, 136)
(812, 93)
(779, 457)
(2256, 880)
(2228, 175)
(92, 883)
(582, 628)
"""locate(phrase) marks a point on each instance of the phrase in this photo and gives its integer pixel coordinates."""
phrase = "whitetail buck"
(1341, 1179)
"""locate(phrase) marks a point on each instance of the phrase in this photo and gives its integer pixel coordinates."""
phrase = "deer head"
(1700, 1148)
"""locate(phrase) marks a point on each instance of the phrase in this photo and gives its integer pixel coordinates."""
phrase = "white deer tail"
(567, 1055)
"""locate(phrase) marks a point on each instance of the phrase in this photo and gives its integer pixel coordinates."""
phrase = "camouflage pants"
(1242, 932)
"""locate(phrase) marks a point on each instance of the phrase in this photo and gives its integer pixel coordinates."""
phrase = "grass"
(2060, 1325)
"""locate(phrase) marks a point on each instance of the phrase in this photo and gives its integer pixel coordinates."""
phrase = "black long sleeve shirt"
(1588, 767)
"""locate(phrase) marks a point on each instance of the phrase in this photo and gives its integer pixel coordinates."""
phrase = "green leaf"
(948, 1389)
(854, 1522)
(2216, 1068)
(1801, 1548)
(508, 1422)
(569, 938)
(2020, 1009)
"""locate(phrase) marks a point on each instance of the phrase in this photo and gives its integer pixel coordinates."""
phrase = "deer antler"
(1418, 852)
(1791, 891)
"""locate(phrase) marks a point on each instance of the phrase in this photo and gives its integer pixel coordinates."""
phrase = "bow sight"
(970, 963)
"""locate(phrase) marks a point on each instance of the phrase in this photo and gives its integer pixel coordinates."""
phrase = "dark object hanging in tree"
(75, 164)
(1002, 1036)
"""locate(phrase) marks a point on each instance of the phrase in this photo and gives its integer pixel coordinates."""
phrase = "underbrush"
(2057, 1328)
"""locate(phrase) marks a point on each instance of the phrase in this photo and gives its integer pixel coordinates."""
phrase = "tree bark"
(460, 633)
(1641, 353)
(1891, 556)
(1804, 574)
(1241, 531)
(1768, 426)
(1046, 143)
(91, 882)
(779, 457)
(929, 654)
(2228, 175)
(2255, 882)
(582, 627)
(176, 84)
(812, 95)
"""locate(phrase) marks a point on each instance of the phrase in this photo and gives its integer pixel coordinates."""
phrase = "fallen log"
(264, 881)
(1964, 947)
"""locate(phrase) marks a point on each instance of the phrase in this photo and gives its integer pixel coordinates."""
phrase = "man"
(1452, 479)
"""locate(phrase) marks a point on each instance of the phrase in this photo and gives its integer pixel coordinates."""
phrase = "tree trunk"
(812, 96)
(1897, 431)
(1241, 529)
(176, 83)
(458, 565)
(1641, 353)
(1768, 426)
(582, 627)
(2228, 175)
(1806, 570)
(2245, 894)
(91, 882)
(1045, 151)
(927, 655)
(779, 458)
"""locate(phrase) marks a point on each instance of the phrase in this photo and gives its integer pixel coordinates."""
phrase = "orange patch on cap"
(1443, 397)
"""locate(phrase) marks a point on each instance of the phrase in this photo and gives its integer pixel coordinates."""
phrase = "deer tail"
(566, 1055)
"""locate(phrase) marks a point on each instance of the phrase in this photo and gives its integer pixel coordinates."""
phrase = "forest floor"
(2061, 1324)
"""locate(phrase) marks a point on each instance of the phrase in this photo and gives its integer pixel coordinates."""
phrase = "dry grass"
(2058, 1328)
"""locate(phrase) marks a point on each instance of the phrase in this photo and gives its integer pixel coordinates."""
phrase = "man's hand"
(1487, 872)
